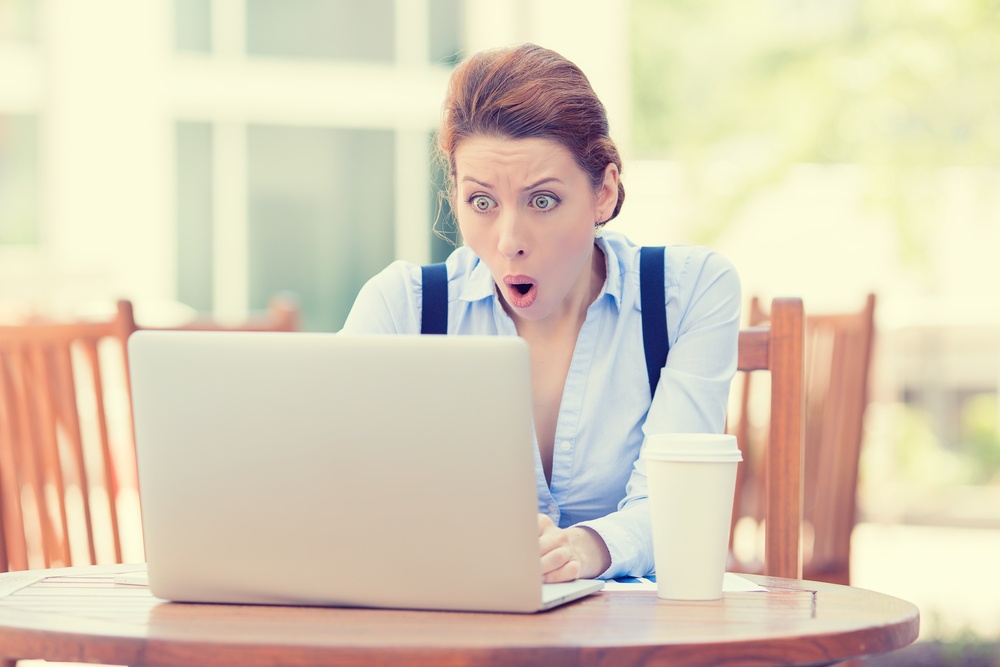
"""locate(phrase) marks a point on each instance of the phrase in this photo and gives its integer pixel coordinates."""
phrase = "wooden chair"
(776, 350)
(837, 362)
(67, 451)
(65, 444)
(65, 441)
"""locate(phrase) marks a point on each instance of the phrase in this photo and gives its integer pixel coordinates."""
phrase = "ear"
(607, 193)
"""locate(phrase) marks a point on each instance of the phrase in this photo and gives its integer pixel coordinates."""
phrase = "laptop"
(334, 470)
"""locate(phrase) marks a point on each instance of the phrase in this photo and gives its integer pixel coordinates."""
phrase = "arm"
(703, 312)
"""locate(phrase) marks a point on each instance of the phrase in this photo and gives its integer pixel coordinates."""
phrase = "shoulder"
(701, 285)
(693, 265)
(391, 301)
(396, 282)
(703, 282)
(704, 287)
(403, 280)
(385, 302)
(685, 267)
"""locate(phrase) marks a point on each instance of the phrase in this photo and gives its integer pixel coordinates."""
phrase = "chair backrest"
(283, 314)
(68, 489)
(838, 363)
(65, 441)
(838, 349)
(777, 349)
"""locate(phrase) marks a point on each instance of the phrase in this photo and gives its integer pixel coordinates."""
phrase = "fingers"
(568, 571)
(560, 561)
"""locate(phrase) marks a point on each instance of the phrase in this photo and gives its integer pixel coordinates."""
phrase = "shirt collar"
(613, 284)
(480, 284)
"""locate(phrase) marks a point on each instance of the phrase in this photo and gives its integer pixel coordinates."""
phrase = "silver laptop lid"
(298, 468)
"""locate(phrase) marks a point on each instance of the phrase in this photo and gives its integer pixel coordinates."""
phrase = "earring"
(598, 230)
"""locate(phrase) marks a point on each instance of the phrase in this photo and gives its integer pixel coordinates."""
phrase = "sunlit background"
(204, 155)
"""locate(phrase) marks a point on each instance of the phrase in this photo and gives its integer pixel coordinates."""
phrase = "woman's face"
(528, 211)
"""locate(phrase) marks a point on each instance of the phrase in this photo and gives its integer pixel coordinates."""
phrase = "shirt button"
(565, 446)
(552, 509)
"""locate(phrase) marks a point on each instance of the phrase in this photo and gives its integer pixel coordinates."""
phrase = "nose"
(512, 241)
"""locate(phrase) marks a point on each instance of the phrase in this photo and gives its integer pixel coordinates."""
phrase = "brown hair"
(528, 92)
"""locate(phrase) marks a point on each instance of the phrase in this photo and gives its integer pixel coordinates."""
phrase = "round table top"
(82, 614)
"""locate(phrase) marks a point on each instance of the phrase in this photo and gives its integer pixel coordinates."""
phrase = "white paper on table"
(734, 583)
(731, 583)
(140, 578)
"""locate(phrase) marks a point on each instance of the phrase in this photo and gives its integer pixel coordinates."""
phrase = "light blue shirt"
(598, 479)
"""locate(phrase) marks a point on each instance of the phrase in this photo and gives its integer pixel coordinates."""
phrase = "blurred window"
(327, 29)
(18, 21)
(195, 245)
(321, 215)
(280, 200)
(193, 25)
(445, 28)
(18, 179)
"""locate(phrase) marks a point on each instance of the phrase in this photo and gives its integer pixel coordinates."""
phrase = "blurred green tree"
(979, 439)
(902, 88)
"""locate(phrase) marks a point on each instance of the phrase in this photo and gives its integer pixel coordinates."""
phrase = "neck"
(574, 310)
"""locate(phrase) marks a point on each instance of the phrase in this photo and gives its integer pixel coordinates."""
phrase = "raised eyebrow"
(470, 179)
(544, 181)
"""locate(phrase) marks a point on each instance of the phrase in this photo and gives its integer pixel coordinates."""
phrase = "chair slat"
(11, 517)
(784, 473)
(777, 349)
(837, 358)
(51, 424)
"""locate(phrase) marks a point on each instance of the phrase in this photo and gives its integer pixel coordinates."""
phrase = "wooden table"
(81, 614)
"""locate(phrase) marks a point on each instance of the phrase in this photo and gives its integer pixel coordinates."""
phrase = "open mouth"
(521, 291)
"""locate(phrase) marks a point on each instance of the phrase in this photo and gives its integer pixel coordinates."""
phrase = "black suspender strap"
(653, 296)
(434, 313)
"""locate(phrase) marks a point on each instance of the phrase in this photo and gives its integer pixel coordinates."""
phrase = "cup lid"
(708, 447)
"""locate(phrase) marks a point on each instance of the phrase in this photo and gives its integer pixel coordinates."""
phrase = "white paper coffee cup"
(692, 480)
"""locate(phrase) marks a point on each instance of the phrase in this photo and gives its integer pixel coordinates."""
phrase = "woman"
(534, 179)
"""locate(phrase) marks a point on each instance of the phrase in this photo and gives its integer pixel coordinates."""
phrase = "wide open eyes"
(482, 203)
(544, 202)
